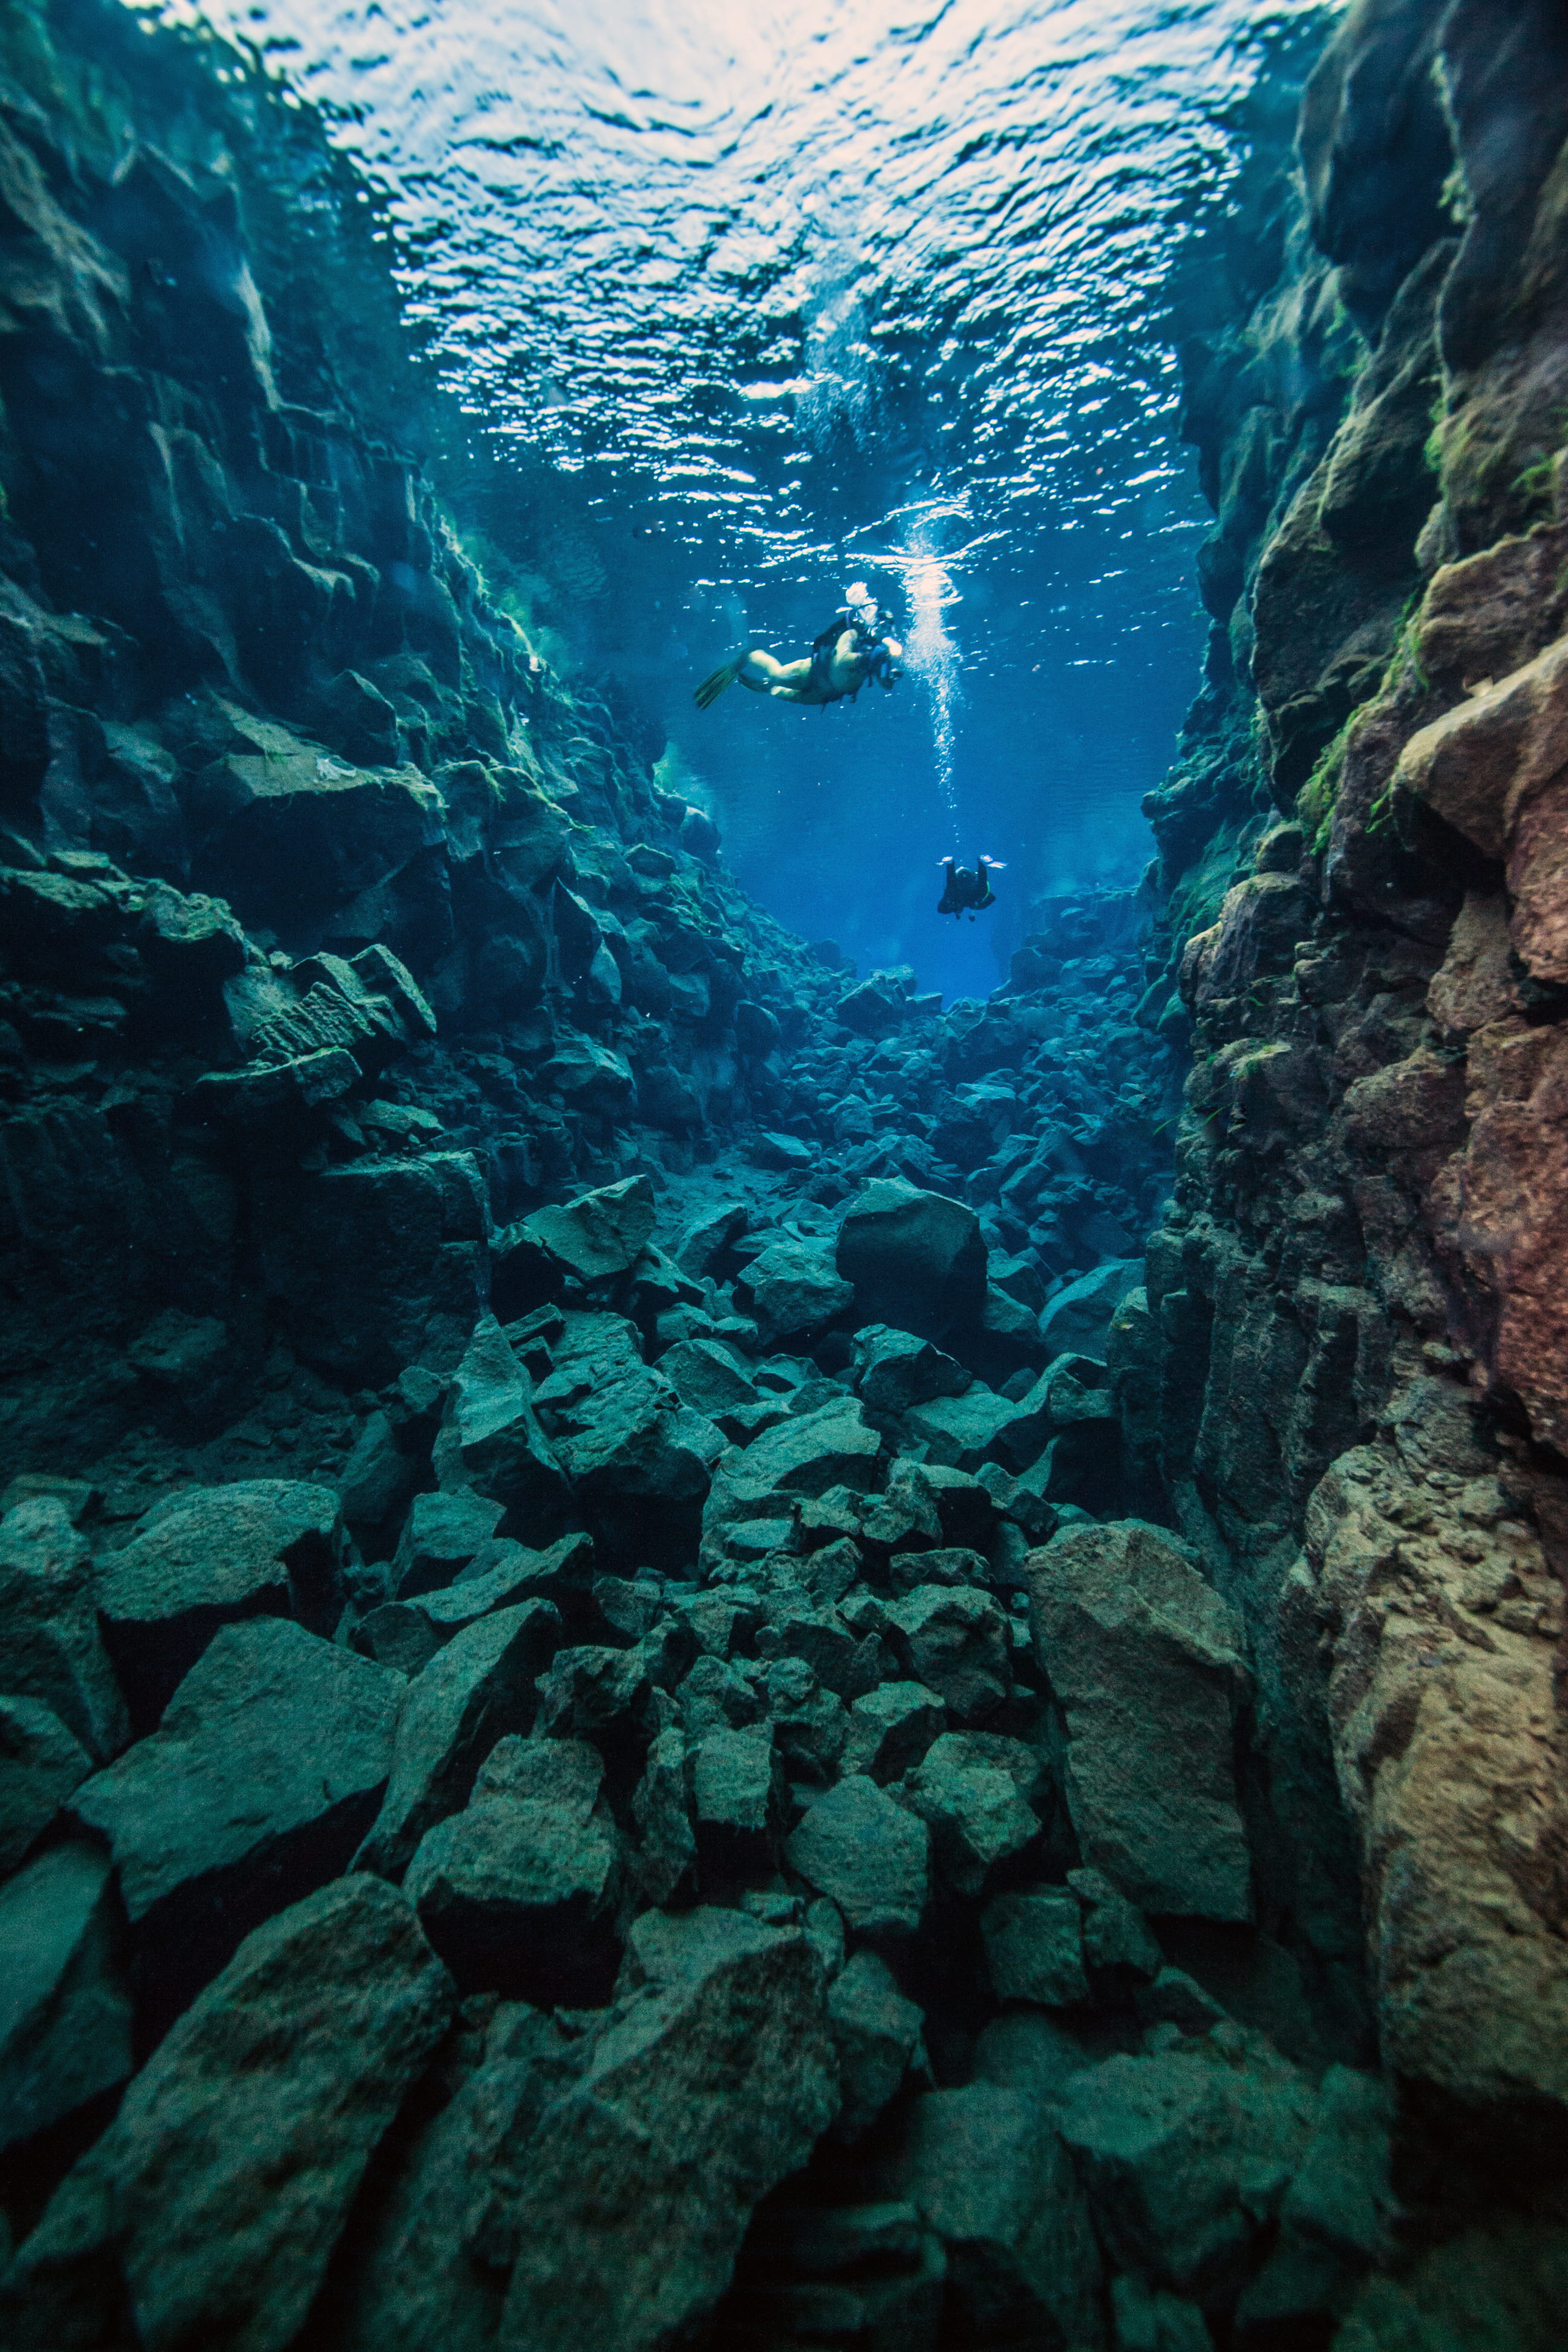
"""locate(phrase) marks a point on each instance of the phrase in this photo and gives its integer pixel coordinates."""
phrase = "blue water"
(755, 301)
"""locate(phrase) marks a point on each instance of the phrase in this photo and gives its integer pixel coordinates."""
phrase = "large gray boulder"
(518, 1892)
(491, 1439)
(712, 2086)
(1144, 1659)
(954, 1641)
(990, 2174)
(209, 1557)
(267, 1771)
(477, 1690)
(917, 1259)
(49, 1625)
(1188, 2154)
(208, 2211)
(65, 2011)
(868, 1853)
(40, 1764)
(800, 1459)
(618, 1427)
(794, 1291)
(599, 1234)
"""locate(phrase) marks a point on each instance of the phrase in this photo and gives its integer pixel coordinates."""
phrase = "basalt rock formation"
(661, 1682)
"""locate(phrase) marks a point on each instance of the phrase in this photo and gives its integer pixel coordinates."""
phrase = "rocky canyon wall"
(1351, 1353)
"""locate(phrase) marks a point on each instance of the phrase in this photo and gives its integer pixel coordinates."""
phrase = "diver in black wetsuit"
(966, 893)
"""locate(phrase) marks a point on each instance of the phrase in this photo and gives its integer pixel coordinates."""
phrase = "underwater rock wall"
(1353, 1344)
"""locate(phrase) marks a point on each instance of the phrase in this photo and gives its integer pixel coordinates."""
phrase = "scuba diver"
(966, 893)
(853, 648)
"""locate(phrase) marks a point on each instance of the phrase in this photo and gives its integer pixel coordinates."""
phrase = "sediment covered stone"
(600, 1234)
(65, 2008)
(517, 1893)
(710, 2088)
(49, 1625)
(1144, 1659)
(263, 1777)
(209, 2209)
(210, 1557)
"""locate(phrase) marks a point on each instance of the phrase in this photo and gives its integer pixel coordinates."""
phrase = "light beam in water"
(932, 655)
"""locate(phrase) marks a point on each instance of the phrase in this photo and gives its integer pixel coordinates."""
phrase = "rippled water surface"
(792, 292)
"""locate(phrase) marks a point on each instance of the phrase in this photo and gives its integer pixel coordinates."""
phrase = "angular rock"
(973, 1791)
(793, 1292)
(1145, 1662)
(954, 1641)
(618, 1428)
(917, 1259)
(600, 1234)
(879, 2037)
(49, 1625)
(897, 1370)
(992, 2176)
(440, 1536)
(866, 1852)
(661, 1808)
(890, 1728)
(1076, 1319)
(209, 1556)
(735, 1798)
(491, 1439)
(445, 2236)
(1114, 1933)
(517, 1893)
(378, 1476)
(264, 1776)
(803, 1457)
(208, 2211)
(40, 1764)
(1034, 1947)
(709, 2090)
(948, 1564)
(706, 1377)
(711, 1234)
(65, 2011)
(477, 1691)
(1189, 2154)
(848, 1663)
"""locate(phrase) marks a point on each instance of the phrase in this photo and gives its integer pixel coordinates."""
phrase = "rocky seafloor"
(692, 1652)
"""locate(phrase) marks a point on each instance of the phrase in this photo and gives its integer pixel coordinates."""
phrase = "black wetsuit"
(966, 893)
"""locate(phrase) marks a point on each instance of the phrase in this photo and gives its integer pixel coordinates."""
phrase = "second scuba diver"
(853, 648)
(966, 893)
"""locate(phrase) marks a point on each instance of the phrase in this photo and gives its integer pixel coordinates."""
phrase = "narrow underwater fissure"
(693, 1650)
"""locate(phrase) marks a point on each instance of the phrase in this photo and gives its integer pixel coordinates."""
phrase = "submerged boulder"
(917, 1259)
(209, 2209)
(262, 1778)
(1144, 1659)
(210, 1557)
(712, 2086)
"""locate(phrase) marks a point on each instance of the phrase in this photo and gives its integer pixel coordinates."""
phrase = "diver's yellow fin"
(712, 687)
